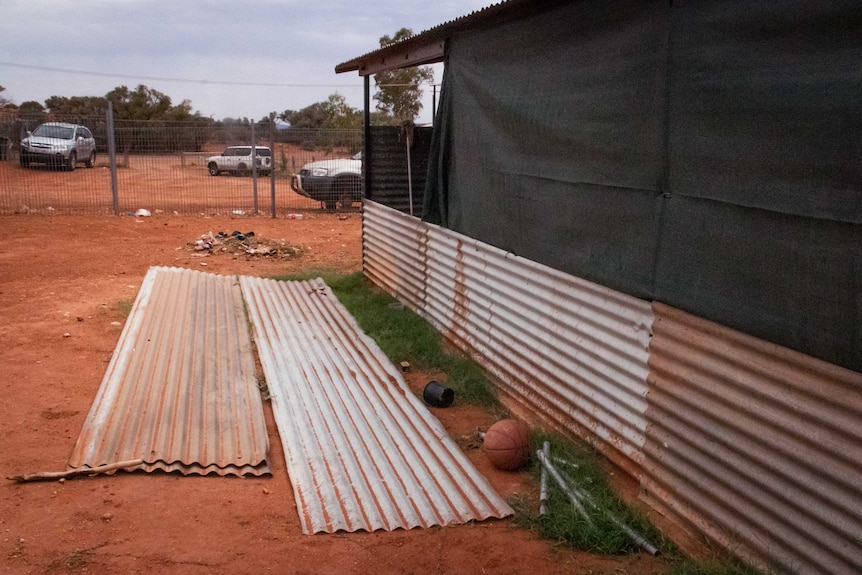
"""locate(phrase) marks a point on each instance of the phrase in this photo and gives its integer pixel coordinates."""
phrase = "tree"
(77, 107)
(4, 102)
(31, 113)
(147, 120)
(309, 118)
(399, 92)
(339, 115)
(142, 103)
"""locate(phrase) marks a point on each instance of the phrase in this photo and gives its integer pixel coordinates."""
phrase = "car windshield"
(59, 132)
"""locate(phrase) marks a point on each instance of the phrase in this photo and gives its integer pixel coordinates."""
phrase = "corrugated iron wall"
(754, 445)
(569, 351)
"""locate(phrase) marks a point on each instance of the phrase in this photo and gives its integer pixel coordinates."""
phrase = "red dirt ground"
(76, 275)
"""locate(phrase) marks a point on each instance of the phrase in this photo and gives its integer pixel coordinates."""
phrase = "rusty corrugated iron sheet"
(756, 445)
(567, 350)
(180, 391)
(362, 451)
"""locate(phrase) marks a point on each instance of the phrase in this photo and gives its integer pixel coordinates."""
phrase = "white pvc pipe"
(633, 535)
(543, 482)
(576, 502)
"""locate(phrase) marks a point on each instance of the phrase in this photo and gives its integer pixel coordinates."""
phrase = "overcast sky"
(228, 53)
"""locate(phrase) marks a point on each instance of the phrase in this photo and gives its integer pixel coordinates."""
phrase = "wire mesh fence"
(185, 168)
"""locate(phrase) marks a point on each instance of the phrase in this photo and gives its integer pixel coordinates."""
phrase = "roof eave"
(403, 55)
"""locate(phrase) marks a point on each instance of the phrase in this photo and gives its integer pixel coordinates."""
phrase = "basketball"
(507, 444)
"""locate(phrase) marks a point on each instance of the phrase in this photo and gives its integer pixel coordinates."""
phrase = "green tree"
(142, 103)
(339, 115)
(31, 113)
(77, 107)
(148, 121)
(399, 92)
(309, 118)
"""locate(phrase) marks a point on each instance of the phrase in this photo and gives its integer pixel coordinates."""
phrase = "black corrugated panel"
(388, 166)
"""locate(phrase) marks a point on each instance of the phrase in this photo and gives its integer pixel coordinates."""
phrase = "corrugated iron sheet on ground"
(756, 445)
(565, 349)
(180, 391)
(362, 451)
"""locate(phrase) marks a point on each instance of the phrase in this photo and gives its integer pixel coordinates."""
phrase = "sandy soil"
(78, 275)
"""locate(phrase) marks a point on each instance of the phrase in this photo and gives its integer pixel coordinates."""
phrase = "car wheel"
(347, 189)
(213, 169)
(241, 170)
(91, 162)
(73, 161)
(25, 161)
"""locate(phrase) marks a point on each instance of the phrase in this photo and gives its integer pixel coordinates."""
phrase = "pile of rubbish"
(247, 244)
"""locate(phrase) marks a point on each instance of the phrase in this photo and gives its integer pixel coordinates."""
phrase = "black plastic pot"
(438, 395)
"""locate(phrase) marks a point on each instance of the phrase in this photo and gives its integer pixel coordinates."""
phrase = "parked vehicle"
(59, 144)
(332, 182)
(237, 160)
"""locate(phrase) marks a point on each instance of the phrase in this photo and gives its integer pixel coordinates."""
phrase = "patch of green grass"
(597, 530)
(405, 336)
(602, 534)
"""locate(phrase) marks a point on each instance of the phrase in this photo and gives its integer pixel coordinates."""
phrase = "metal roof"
(180, 391)
(429, 46)
(362, 450)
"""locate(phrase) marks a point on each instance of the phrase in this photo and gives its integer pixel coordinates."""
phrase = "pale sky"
(237, 58)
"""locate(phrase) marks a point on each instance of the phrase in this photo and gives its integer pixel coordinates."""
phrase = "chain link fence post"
(112, 155)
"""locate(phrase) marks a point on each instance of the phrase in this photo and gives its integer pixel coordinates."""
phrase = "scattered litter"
(67, 334)
(142, 213)
(238, 212)
(294, 216)
(242, 243)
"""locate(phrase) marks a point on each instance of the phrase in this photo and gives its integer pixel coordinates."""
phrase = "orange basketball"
(507, 444)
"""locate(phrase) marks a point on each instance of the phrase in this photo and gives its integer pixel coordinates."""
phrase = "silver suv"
(59, 144)
(238, 160)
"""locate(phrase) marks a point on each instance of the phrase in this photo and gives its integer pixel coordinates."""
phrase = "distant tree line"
(146, 120)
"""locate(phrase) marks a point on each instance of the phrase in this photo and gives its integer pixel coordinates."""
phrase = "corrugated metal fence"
(751, 444)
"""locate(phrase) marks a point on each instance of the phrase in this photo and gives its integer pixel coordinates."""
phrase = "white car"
(59, 144)
(331, 181)
(237, 160)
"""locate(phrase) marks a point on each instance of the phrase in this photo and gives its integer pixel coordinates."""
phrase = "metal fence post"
(272, 164)
(112, 154)
(254, 167)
